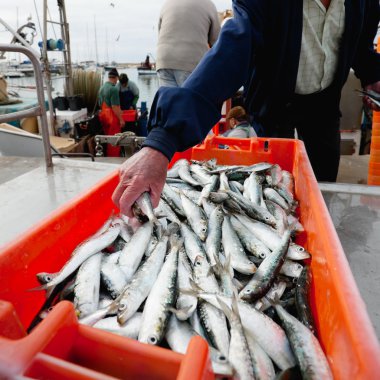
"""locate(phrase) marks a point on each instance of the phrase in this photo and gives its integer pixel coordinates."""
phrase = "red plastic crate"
(59, 348)
(129, 115)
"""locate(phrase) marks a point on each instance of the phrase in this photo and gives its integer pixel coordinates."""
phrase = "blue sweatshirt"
(259, 48)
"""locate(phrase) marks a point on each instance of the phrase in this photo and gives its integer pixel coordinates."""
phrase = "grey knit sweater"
(186, 30)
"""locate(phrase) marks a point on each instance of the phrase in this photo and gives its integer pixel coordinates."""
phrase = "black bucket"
(61, 103)
(75, 103)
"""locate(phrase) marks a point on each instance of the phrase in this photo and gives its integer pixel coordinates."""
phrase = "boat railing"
(39, 110)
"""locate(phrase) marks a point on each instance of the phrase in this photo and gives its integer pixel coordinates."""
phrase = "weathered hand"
(144, 171)
(372, 87)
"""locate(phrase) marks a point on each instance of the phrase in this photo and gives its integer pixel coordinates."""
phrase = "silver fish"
(263, 368)
(200, 174)
(196, 217)
(173, 199)
(306, 347)
(132, 253)
(193, 245)
(291, 269)
(266, 272)
(186, 304)
(161, 299)
(164, 209)
(249, 241)
(81, 253)
(271, 239)
(178, 336)
(274, 293)
(253, 189)
(87, 285)
(223, 182)
(184, 173)
(142, 282)
(208, 188)
(143, 207)
(113, 278)
(173, 171)
(294, 224)
(213, 320)
(253, 211)
(130, 329)
(234, 249)
(280, 215)
(214, 237)
(239, 355)
(126, 231)
(275, 197)
(151, 246)
(263, 329)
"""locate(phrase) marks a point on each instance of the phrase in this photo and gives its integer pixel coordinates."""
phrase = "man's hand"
(372, 87)
(144, 171)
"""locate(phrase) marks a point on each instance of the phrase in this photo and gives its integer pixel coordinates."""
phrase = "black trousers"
(316, 118)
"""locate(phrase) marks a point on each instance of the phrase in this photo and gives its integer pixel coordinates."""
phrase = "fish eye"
(262, 255)
(222, 358)
(48, 278)
(248, 291)
(152, 340)
(198, 263)
(122, 306)
(204, 229)
(301, 249)
(50, 309)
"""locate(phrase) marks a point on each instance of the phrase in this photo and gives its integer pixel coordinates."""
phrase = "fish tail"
(225, 308)
(181, 314)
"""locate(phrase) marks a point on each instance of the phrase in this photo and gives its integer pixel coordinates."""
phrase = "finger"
(128, 198)
(118, 192)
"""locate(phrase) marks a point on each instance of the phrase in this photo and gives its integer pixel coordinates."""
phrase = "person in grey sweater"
(187, 29)
(238, 123)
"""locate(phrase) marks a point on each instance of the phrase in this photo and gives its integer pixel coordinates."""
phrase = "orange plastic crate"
(59, 348)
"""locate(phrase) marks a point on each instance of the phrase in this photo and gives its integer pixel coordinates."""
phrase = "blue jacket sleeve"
(367, 61)
(182, 117)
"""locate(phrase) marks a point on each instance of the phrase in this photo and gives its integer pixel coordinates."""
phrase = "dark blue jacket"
(259, 48)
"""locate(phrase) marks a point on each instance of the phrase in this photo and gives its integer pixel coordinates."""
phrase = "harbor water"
(147, 84)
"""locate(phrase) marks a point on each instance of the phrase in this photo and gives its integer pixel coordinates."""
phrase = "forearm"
(118, 112)
(134, 101)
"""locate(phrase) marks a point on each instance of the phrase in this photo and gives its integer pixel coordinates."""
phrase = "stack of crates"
(374, 158)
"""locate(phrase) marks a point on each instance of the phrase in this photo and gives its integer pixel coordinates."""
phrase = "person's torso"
(275, 62)
(243, 130)
(184, 33)
(322, 33)
(108, 93)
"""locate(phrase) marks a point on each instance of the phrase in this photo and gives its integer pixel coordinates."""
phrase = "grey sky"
(135, 21)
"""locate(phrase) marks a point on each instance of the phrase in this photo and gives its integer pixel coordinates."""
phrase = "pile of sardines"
(216, 258)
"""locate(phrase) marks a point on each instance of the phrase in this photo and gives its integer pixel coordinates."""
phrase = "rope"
(123, 135)
(38, 18)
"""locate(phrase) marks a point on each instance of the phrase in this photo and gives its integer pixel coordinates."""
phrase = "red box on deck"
(129, 115)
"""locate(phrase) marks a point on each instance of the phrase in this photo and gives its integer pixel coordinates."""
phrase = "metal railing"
(40, 110)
